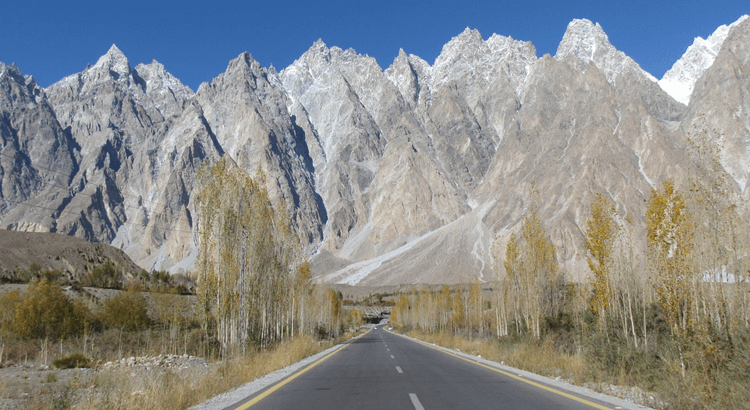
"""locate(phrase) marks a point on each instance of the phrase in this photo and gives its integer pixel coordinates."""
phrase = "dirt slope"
(57, 251)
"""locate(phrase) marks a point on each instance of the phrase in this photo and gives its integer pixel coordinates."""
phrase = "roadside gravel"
(229, 398)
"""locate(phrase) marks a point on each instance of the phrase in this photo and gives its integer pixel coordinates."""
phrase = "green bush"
(73, 361)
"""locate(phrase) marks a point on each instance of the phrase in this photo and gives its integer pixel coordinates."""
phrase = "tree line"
(254, 285)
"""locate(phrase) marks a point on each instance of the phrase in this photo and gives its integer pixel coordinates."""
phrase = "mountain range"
(405, 175)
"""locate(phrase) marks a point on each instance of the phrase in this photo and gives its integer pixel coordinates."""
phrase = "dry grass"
(171, 389)
(699, 388)
(166, 389)
(540, 358)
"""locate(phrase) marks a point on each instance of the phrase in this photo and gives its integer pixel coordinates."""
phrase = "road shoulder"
(241, 393)
(558, 384)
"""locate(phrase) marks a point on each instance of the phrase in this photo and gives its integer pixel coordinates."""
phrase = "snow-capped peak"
(585, 42)
(680, 79)
(114, 61)
(582, 39)
(468, 58)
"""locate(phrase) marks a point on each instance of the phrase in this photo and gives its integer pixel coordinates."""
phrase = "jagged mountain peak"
(467, 42)
(157, 77)
(11, 70)
(114, 60)
(154, 70)
(318, 45)
(320, 60)
(467, 57)
(582, 40)
(381, 170)
(319, 53)
(404, 59)
(401, 56)
(163, 90)
(586, 42)
(469, 35)
(500, 43)
(245, 59)
(680, 80)
(15, 72)
(410, 74)
(31, 91)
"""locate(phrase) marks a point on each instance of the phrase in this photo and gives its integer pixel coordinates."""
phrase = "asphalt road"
(382, 370)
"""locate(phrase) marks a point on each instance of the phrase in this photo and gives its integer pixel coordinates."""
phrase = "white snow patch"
(680, 80)
(479, 248)
(618, 122)
(640, 168)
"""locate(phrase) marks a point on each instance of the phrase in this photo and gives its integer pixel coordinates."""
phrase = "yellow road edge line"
(535, 384)
(282, 383)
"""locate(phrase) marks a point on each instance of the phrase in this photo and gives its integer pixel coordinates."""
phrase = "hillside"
(51, 251)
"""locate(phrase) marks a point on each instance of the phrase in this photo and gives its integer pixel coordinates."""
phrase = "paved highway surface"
(382, 370)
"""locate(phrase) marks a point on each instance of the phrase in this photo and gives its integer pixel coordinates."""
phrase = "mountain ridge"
(384, 172)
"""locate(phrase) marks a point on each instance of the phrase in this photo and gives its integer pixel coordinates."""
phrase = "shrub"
(28, 274)
(126, 311)
(45, 311)
(73, 361)
(8, 304)
(106, 275)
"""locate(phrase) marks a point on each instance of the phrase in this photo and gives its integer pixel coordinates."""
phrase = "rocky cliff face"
(402, 175)
(720, 105)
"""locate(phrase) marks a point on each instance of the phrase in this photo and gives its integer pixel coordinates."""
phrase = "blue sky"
(196, 40)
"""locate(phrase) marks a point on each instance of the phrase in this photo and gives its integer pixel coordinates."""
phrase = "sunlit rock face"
(401, 175)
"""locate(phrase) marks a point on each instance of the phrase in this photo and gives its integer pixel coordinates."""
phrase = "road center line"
(398, 369)
(392, 357)
(415, 401)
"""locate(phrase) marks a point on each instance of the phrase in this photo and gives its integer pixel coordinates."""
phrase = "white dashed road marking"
(398, 369)
(415, 401)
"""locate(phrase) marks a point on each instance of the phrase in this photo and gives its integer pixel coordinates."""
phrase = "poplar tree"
(540, 271)
(601, 232)
(515, 289)
(722, 243)
(252, 287)
(670, 247)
